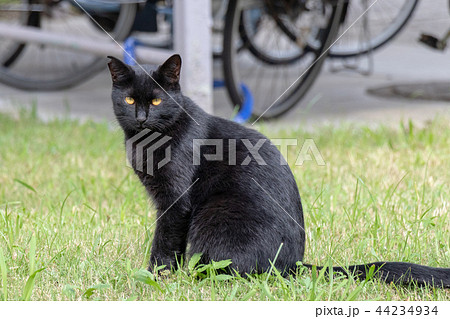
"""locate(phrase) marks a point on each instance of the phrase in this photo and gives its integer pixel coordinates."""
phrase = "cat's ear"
(120, 72)
(170, 69)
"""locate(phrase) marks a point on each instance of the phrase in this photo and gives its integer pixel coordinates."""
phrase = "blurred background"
(268, 46)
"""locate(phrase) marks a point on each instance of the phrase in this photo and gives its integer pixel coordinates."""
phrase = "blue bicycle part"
(129, 54)
(218, 84)
(245, 112)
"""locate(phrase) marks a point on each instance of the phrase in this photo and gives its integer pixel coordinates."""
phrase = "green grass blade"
(28, 289)
(63, 204)
(249, 295)
(90, 291)
(4, 272)
(31, 188)
(193, 261)
(266, 291)
(32, 255)
(147, 278)
(272, 263)
(354, 294)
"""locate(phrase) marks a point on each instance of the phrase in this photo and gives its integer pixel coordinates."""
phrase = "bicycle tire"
(302, 84)
(393, 29)
(122, 29)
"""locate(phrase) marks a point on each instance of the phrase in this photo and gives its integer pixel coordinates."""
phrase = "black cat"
(225, 190)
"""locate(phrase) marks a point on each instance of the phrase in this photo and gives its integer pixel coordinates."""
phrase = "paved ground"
(339, 96)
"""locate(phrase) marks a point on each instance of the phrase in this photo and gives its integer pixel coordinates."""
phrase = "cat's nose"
(140, 119)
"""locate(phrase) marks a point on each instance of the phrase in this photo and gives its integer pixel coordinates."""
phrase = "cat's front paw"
(162, 266)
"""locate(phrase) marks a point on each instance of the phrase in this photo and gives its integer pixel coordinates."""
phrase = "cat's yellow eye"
(129, 100)
(156, 101)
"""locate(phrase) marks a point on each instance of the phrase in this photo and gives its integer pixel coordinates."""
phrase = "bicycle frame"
(34, 35)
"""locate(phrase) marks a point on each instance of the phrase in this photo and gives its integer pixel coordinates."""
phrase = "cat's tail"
(398, 273)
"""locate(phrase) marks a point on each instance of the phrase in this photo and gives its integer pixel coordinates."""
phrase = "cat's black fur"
(238, 212)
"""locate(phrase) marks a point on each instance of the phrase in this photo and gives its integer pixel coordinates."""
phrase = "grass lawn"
(76, 224)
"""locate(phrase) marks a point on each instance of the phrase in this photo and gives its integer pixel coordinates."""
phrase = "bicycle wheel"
(380, 24)
(277, 70)
(46, 67)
